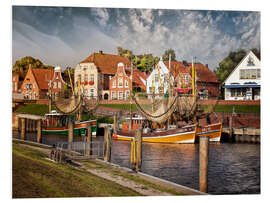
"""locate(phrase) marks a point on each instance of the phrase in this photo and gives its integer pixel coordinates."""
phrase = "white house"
(154, 79)
(244, 82)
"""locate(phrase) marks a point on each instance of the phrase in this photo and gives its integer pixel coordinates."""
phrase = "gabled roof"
(248, 54)
(106, 63)
(43, 76)
(137, 77)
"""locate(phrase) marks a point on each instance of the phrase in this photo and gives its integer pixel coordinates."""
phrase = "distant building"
(206, 80)
(158, 79)
(95, 71)
(244, 82)
(120, 84)
(39, 82)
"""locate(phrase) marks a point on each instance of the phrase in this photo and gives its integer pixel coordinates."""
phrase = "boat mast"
(130, 101)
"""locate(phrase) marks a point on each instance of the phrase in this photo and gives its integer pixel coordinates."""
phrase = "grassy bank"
(121, 106)
(35, 109)
(34, 176)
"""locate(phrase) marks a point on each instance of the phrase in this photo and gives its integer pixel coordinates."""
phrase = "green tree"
(166, 54)
(227, 65)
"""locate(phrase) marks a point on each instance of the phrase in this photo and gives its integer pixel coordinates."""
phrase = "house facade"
(38, 83)
(94, 74)
(244, 82)
(120, 83)
(157, 80)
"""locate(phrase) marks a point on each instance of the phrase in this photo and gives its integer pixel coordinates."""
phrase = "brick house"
(38, 82)
(95, 72)
(120, 83)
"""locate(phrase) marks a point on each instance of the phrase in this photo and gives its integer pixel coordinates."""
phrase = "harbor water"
(234, 168)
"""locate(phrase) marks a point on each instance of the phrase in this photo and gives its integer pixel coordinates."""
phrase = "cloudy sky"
(65, 36)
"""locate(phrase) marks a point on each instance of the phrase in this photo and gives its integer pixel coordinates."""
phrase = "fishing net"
(65, 102)
(90, 103)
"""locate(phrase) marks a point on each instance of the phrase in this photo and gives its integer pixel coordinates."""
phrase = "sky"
(65, 36)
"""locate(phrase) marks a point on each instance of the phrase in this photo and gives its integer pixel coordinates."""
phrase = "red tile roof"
(204, 74)
(42, 77)
(136, 79)
(177, 66)
(106, 63)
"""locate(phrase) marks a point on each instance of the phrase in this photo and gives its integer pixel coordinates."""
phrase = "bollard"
(38, 131)
(204, 142)
(138, 145)
(22, 128)
(107, 139)
(89, 139)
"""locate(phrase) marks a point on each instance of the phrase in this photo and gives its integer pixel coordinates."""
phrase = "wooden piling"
(39, 131)
(89, 139)
(138, 145)
(204, 142)
(114, 123)
(230, 128)
(107, 139)
(22, 128)
(70, 131)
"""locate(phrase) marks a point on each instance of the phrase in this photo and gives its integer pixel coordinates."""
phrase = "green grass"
(121, 106)
(36, 109)
(33, 176)
(238, 108)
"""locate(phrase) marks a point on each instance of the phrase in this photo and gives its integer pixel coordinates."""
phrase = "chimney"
(30, 66)
(100, 51)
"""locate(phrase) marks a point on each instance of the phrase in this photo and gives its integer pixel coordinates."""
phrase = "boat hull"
(78, 130)
(213, 131)
(170, 136)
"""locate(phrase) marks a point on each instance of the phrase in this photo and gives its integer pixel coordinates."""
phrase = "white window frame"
(59, 85)
(120, 95)
(92, 92)
(54, 85)
(120, 82)
(92, 77)
(114, 84)
(127, 94)
(126, 83)
(113, 95)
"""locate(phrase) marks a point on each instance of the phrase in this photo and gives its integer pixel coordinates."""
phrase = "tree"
(166, 54)
(227, 65)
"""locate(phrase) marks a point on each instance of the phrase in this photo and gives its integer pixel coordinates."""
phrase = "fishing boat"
(158, 135)
(57, 124)
(213, 131)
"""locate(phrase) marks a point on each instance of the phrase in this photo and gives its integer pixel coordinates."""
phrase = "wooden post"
(114, 123)
(39, 131)
(204, 141)
(230, 128)
(107, 139)
(70, 131)
(138, 145)
(89, 139)
(22, 128)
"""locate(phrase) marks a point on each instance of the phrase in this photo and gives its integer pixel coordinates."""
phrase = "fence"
(80, 150)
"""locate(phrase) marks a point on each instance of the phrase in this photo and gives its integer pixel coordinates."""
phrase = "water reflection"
(233, 168)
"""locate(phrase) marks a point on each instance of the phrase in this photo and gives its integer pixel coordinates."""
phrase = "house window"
(113, 95)
(120, 82)
(34, 85)
(92, 92)
(150, 90)
(156, 77)
(85, 92)
(59, 85)
(120, 95)
(86, 77)
(186, 79)
(29, 86)
(15, 86)
(233, 92)
(91, 77)
(35, 95)
(114, 84)
(259, 73)
(126, 83)
(127, 94)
